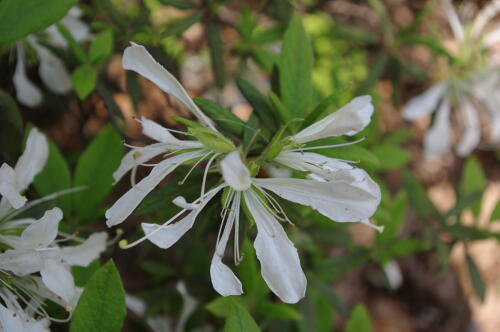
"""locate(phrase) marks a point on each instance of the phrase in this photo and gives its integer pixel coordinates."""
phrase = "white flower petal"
(312, 162)
(279, 260)
(8, 187)
(235, 172)
(425, 103)
(25, 261)
(278, 172)
(437, 138)
(85, 253)
(59, 280)
(455, 24)
(42, 232)
(161, 134)
(349, 120)
(484, 16)
(137, 58)
(33, 159)
(53, 72)
(138, 156)
(182, 203)
(472, 130)
(188, 306)
(343, 199)
(492, 37)
(124, 206)
(165, 236)
(17, 321)
(27, 93)
(135, 304)
(223, 279)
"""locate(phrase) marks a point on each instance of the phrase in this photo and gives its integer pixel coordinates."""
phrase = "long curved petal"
(33, 159)
(279, 260)
(235, 172)
(8, 187)
(344, 199)
(437, 139)
(27, 93)
(138, 59)
(161, 134)
(53, 72)
(349, 120)
(472, 130)
(42, 232)
(164, 236)
(425, 103)
(85, 253)
(137, 156)
(124, 206)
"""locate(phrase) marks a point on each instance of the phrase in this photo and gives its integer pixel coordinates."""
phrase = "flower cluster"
(51, 69)
(34, 266)
(333, 187)
(470, 87)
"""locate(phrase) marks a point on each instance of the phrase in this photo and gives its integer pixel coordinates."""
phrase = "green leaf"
(390, 156)
(10, 111)
(475, 277)
(177, 27)
(54, 177)
(376, 71)
(351, 152)
(73, 44)
(84, 80)
(422, 205)
(95, 169)
(216, 49)
(221, 306)
(101, 307)
(395, 218)
(221, 116)
(82, 274)
(473, 180)
(239, 320)
(261, 106)
(295, 66)
(277, 311)
(249, 273)
(359, 320)
(19, 18)
(101, 47)
(115, 16)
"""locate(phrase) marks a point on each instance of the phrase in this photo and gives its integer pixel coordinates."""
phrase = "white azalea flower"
(51, 69)
(335, 189)
(34, 247)
(471, 88)
(280, 265)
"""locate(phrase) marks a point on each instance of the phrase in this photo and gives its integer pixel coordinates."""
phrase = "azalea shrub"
(183, 165)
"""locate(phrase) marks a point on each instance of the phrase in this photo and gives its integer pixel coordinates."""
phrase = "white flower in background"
(51, 69)
(163, 323)
(35, 248)
(472, 88)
